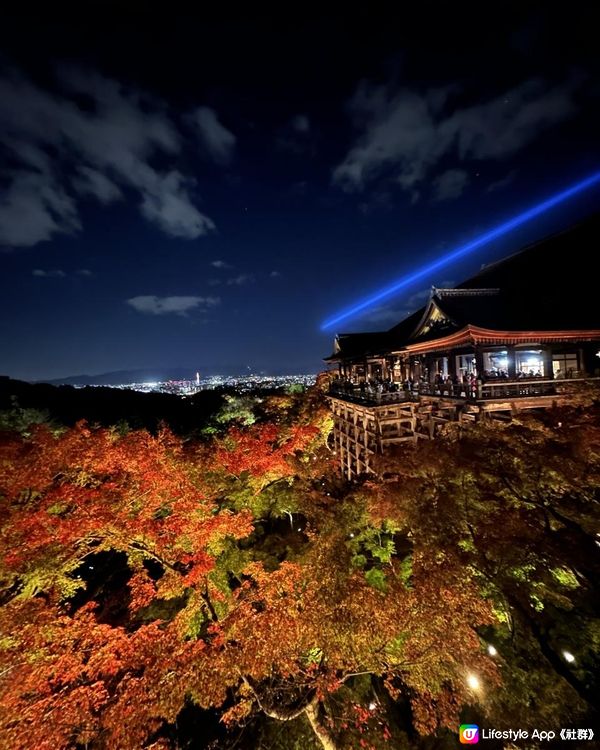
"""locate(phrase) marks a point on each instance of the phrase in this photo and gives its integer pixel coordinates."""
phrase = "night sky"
(182, 191)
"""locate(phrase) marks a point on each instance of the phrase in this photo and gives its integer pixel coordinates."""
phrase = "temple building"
(517, 335)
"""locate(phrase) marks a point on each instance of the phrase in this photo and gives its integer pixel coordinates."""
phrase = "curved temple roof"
(548, 286)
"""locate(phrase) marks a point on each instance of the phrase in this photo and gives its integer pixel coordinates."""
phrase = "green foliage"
(275, 500)
(238, 410)
(21, 420)
(405, 571)
(377, 544)
(395, 648)
(57, 509)
(358, 561)
(376, 578)
(565, 577)
(372, 549)
(51, 577)
(314, 656)
(166, 609)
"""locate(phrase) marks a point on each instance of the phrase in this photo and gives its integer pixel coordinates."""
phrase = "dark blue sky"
(177, 191)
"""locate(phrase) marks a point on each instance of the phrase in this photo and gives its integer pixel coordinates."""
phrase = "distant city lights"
(240, 384)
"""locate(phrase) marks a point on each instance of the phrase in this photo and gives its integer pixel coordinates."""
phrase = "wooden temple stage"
(366, 426)
(522, 334)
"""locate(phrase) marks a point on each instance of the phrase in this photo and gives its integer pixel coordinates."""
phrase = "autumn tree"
(67, 500)
(517, 503)
(209, 616)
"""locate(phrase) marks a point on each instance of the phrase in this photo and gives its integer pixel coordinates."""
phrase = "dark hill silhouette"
(118, 377)
(108, 406)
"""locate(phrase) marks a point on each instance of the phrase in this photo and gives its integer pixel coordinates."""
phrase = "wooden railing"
(491, 390)
(531, 387)
(358, 395)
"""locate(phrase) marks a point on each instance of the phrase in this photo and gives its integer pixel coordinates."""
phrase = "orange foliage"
(280, 637)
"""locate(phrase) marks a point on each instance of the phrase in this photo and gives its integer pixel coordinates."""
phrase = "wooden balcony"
(367, 421)
(492, 390)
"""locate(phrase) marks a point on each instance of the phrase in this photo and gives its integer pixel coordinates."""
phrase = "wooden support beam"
(362, 431)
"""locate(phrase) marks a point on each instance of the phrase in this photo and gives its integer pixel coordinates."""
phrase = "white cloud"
(166, 202)
(450, 184)
(178, 305)
(405, 134)
(240, 280)
(55, 273)
(501, 183)
(275, 275)
(218, 141)
(94, 183)
(33, 208)
(84, 272)
(220, 264)
(97, 153)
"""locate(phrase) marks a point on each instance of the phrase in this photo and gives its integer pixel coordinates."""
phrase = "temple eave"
(481, 336)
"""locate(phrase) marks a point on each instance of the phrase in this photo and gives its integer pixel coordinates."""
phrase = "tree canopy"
(146, 579)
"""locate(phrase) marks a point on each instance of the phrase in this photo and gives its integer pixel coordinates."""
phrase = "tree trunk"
(312, 713)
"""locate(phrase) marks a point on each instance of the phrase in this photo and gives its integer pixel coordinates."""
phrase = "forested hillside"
(227, 589)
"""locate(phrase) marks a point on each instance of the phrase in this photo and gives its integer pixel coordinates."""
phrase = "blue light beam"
(460, 252)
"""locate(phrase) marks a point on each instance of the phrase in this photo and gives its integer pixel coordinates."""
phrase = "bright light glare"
(492, 650)
(473, 682)
(568, 656)
(463, 250)
(372, 706)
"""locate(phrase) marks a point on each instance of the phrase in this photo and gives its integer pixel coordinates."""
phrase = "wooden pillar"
(479, 361)
(451, 364)
(512, 363)
(429, 367)
(547, 360)
(433, 367)
(416, 369)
